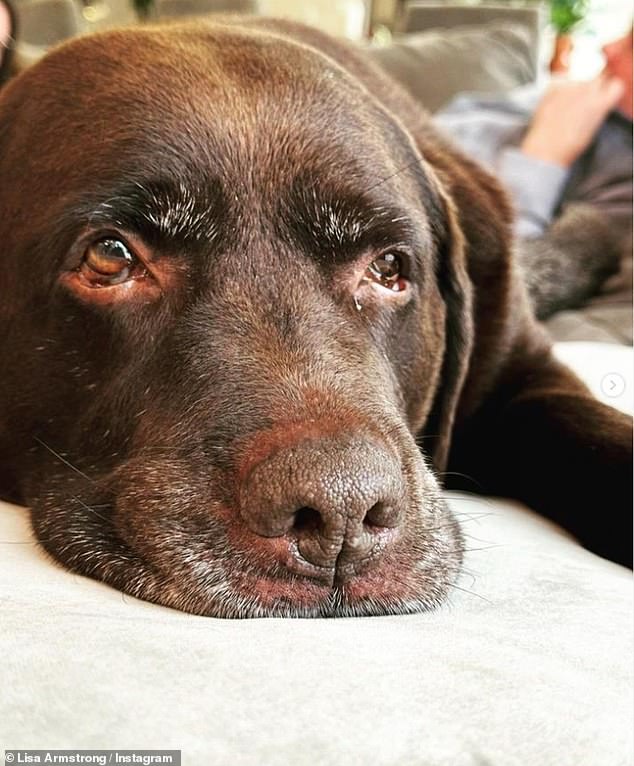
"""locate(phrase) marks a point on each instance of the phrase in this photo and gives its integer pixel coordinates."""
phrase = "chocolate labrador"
(253, 309)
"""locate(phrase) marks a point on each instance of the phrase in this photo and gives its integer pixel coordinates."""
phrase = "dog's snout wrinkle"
(336, 500)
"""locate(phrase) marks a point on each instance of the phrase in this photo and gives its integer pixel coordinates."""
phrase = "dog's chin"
(229, 583)
(422, 588)
(306, 600)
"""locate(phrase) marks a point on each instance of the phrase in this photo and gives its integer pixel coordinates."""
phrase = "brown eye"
(108, 261)
(387, 271)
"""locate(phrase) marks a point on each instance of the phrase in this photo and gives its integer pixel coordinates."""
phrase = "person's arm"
(565, 254)
(564, 124)
(535, 187)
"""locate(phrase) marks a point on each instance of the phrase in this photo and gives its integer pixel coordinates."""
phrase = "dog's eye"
(387, 270)
(108, 261)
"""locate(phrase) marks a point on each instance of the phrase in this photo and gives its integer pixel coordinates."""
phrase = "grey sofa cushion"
(436, 65)
(420, 16)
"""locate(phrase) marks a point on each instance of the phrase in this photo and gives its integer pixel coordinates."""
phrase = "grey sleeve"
(535, 187)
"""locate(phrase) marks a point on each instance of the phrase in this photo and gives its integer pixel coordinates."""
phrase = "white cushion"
(528, 663)
(606, 368)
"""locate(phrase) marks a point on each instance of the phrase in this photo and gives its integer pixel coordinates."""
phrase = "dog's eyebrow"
(170, 212)
(336, 224)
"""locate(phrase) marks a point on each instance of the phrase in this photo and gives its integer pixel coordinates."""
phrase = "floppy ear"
(475, 276)
(456, 290)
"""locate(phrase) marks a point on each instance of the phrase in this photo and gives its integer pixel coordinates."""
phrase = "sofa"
(527, 664)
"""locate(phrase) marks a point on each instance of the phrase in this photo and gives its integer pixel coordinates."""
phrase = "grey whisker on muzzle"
(63, 460)
(465, 572)
(471, 593)
(471, 516)
(483, 548)
(91, 509)
(472, 479)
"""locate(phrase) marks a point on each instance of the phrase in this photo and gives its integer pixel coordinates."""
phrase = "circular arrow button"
(613, 385)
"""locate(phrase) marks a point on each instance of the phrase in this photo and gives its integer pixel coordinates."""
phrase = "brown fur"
(143, 430)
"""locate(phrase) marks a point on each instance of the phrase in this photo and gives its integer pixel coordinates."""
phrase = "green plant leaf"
(566, 14)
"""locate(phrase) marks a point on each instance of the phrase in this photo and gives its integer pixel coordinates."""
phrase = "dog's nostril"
(307, 520)
(381, 515)
(333, 502)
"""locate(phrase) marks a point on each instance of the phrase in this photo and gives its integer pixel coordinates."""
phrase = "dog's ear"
(475, 276)
(456, 290)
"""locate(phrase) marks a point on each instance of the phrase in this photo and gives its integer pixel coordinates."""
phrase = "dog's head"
(232, 296)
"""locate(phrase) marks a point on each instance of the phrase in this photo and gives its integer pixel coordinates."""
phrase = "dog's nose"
(336, 501)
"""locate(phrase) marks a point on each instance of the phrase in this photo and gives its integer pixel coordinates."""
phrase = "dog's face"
(224, 289)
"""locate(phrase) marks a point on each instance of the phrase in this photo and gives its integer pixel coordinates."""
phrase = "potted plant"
(564, 17)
